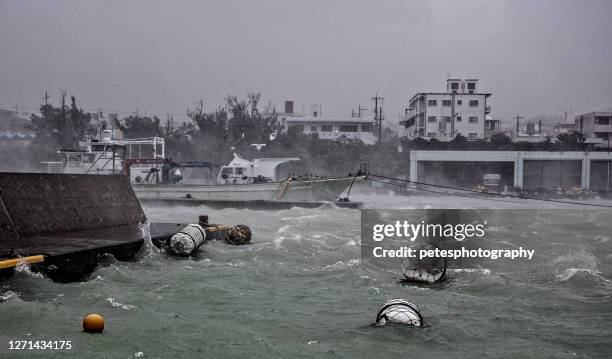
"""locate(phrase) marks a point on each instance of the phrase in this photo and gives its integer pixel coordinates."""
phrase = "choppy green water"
(299, 291)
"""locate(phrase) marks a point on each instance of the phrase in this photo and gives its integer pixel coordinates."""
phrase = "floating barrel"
(427, 270)
(399, 311)
(188, 240)
(239, 235)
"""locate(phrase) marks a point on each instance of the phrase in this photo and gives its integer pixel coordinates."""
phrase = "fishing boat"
(153, 176)
(245, 180)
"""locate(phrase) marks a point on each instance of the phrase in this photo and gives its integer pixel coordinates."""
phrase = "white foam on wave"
(6, 296)
(484, 271)
(601, 239)
(25, 269)
(342, 264)
(577, 262)
(115, 304)
(301, 218)
(283, 229)
(280, 239)
(572, 272)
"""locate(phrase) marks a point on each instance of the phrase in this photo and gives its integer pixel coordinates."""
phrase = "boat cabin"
(243, 171)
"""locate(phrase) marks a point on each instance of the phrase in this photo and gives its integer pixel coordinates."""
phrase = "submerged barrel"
(185, 242)
(239, 235)
(399, 311)
(428, 270)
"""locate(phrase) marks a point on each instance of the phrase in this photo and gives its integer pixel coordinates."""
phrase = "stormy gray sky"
(536, 57)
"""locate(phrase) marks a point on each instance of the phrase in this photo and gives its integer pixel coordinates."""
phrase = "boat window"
(240, 171)
(226, 171)
(74, 158)
(98, 148)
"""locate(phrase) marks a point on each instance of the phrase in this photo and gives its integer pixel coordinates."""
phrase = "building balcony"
(487, 109)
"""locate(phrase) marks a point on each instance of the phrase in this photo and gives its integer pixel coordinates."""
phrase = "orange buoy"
(93, 323)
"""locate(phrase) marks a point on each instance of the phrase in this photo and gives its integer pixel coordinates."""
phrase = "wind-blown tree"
(178, 141)
(58, 127)
(246, 124)
(135, 126)
(212, 124)
(572, 141)
(209, 136)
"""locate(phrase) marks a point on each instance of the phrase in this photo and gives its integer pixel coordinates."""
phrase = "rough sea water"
(299, 291)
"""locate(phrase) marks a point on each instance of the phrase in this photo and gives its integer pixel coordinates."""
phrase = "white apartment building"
(443, 115)
(329, 127)
(596, 127)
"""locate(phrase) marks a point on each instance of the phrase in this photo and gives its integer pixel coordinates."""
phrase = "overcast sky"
(536, 57)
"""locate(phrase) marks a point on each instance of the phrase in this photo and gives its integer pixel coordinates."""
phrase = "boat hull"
(328, 189)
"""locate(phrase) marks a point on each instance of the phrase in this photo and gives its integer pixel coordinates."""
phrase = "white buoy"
(187, 240)
(399, 311)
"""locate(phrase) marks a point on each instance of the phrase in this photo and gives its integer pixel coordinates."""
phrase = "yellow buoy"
(93, 323)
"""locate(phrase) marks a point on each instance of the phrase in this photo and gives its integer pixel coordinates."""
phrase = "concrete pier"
(72, 220)
(526, 159)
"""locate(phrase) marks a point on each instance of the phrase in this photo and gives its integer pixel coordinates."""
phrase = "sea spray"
(148, 250)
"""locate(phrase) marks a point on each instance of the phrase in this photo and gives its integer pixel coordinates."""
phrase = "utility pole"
(518, 118)
(378, 114)
(46, 97)
(63, 93)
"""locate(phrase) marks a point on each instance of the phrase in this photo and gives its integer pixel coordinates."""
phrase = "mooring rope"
(477, 192)
(317, 188)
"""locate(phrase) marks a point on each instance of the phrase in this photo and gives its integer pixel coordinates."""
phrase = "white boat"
(244, 180)
(154, 176)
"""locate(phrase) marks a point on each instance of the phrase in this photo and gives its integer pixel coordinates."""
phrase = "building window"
(602, 120)
(326, 128)
(471, 86)
(432, 102)
(348, 128)
(454, 85)
(431, 134)
(446, 118)
(446, 102)
(442, 127)
(458, 118)
(602, 135)
(473, 103)
(313, 128)
(431, 119)
(459, 102)
(473, 119)
(473, 135)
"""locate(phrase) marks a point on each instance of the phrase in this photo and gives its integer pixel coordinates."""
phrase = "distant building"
(443, 115)
(12, 129)
(491, 126)
(567, 125)
(531, 131)
(596, 127)
(359, 127)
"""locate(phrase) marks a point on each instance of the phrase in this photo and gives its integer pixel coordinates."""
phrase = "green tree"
(58, 127)
(571, 141)
(136, 126)
(499, 140)
(246, 124)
